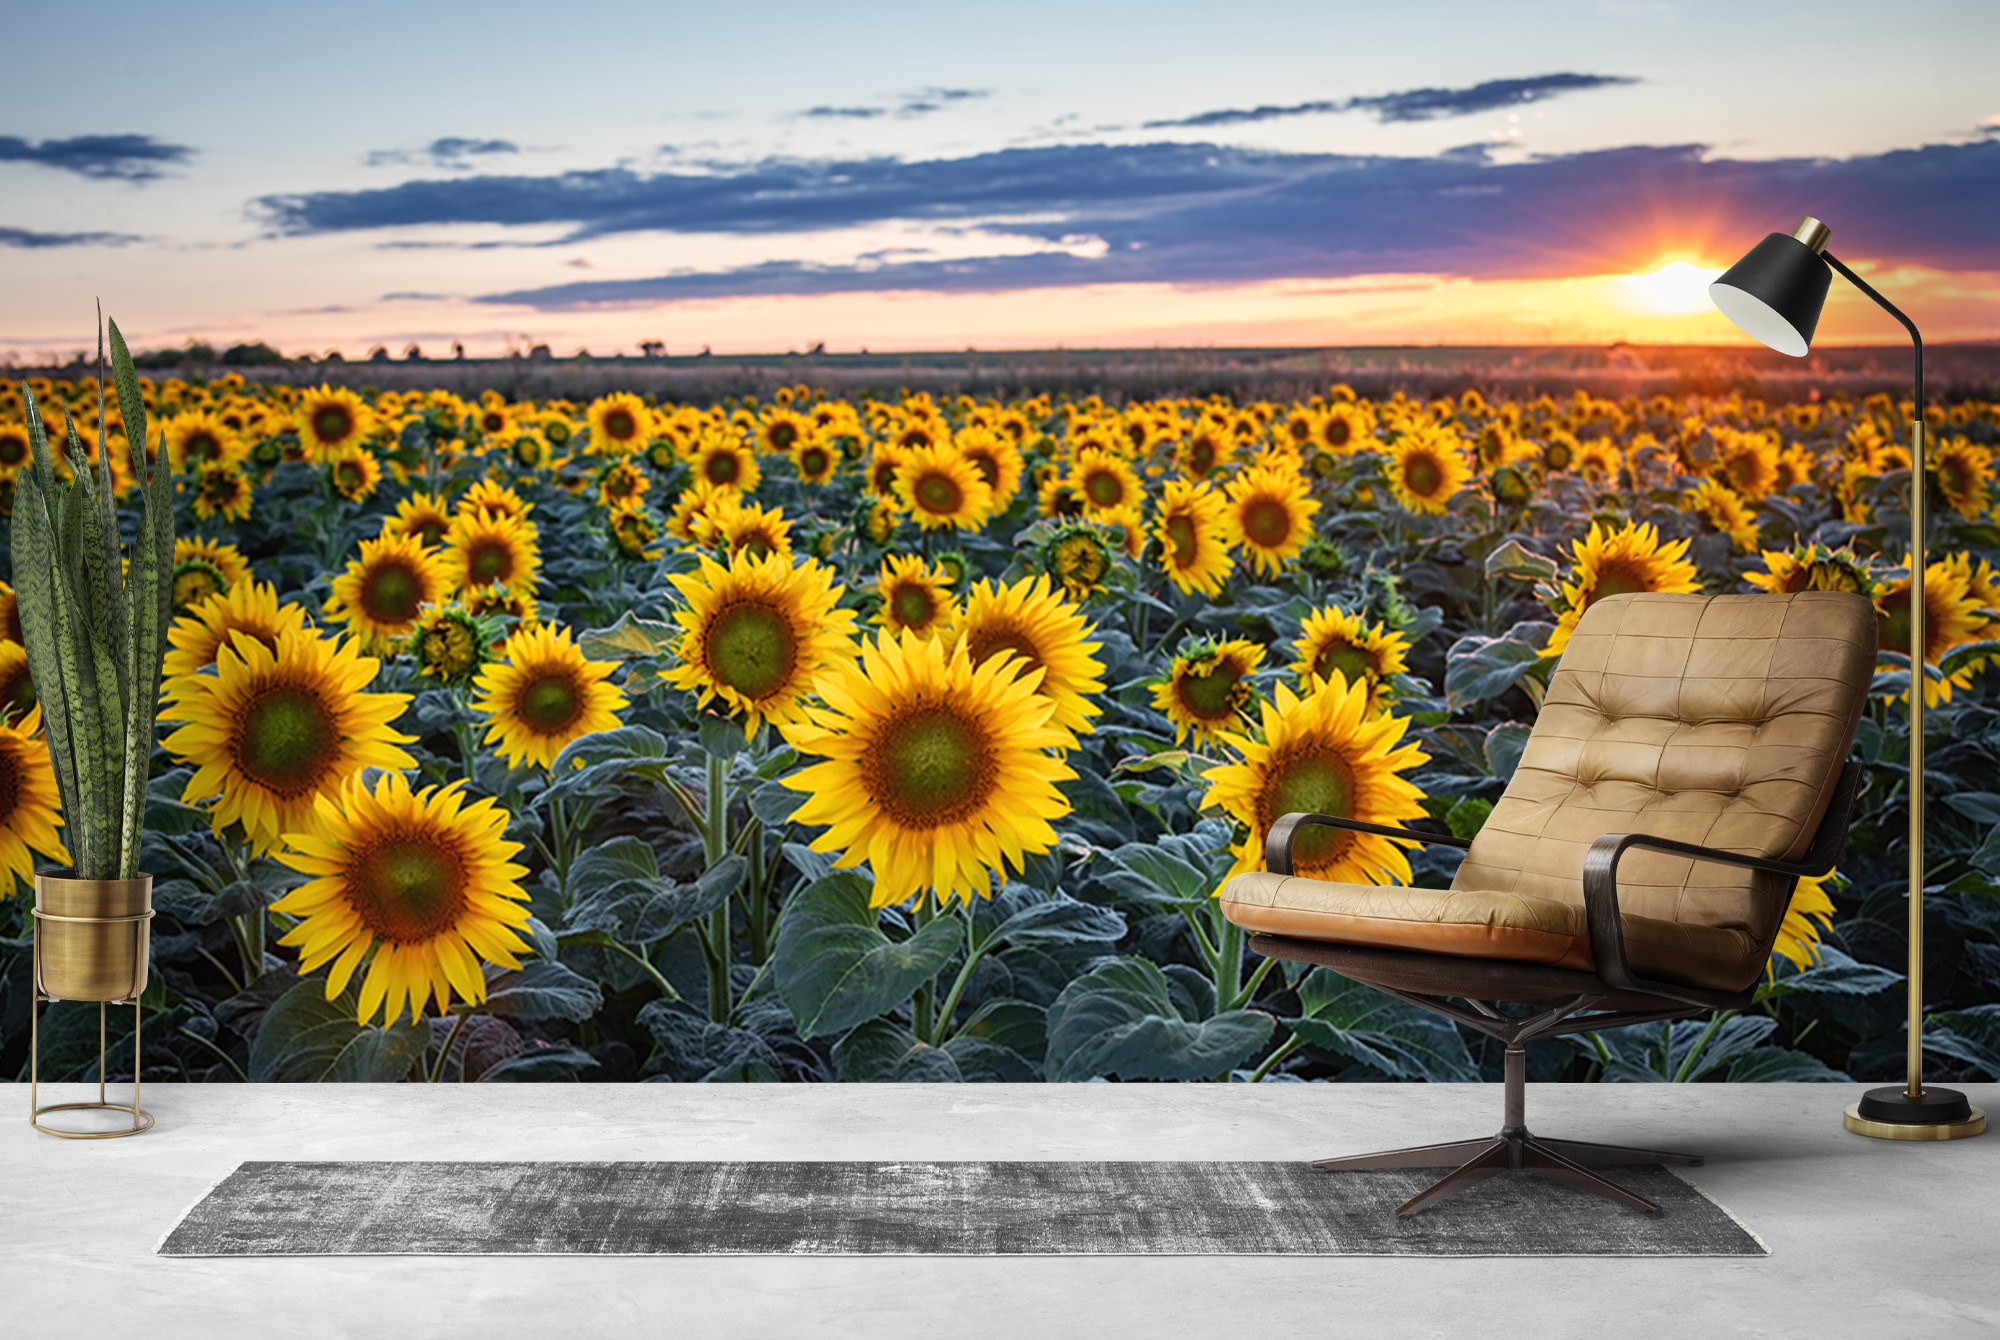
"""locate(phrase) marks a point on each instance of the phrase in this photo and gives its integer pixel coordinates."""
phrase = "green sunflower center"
(287, 739)
(753, 649)
(1422, 475)
(13, 450)
(1343, 657)
(938, 493)
(814, 462)
(489, 561)
(393, 593)
(1267, 523)
(782, 436)
(1104, 488)
(1310, 783)
(195, 581)
(1080, 562)
(1201, 456)
(1211, 694)
(929, 766)
(550, 703)
(913, 605)
(17, 694)
(407, 887)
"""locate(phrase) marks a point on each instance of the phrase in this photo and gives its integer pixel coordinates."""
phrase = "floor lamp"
(1774, 295)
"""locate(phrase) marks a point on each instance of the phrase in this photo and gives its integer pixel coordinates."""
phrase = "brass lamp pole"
(1774, 295)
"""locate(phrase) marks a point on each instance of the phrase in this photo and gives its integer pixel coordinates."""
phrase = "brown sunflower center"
(10, 784)
(929, 766)
(488, 561)
(753, 649)
(1337, 433)
(619, 425)
(988, 467)
(393, 592)
(722, 467)
(407, 886)
(1104, 488)
(938, 493)
(1267, 522)
(1181, 542)
(1423, 475)
(201, 446)
(13, 450)
(17, 693)
(1309, 780)
(1617, 577)
(1201, 456)
(814, 461)
(983, 644)
(286, 739)
(332, 423)
(782, 435)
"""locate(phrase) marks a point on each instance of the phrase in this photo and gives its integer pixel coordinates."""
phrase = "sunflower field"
(909, 738)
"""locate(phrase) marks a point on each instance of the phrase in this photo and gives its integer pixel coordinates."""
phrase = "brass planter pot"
(92, 943)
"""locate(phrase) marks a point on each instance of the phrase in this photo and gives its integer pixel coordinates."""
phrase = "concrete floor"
(1869, 1238)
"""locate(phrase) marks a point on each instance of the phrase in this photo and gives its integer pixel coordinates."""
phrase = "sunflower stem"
(227, 1059)
(715, 845)
(947, 1011)
(1249, 991)
(757, 902)
(1277, 1057)
(457, 1027)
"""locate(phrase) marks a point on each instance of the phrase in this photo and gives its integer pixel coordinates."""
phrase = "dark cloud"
(27, 237)
(921, 103)
(1227, 217)
(109, 157)
(1418, 104)
(451, 151)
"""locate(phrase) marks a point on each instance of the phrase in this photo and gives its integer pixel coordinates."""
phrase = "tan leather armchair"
(1687, 768)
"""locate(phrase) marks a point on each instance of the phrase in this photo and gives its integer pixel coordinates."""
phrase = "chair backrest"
(1718, 720)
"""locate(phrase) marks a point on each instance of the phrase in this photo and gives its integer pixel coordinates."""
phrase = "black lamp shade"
(1774, 294)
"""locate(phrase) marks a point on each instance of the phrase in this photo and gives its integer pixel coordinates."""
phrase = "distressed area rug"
(926, 1209)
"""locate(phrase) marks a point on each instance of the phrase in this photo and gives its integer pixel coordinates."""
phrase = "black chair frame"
(1571, 1001)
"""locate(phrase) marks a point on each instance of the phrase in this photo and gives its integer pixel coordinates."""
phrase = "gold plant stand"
(89, 955)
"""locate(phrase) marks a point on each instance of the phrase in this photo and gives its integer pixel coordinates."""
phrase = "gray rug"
(926, 1209)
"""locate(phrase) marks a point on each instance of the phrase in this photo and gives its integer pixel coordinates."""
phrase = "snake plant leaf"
(131, 405)
(34, 590)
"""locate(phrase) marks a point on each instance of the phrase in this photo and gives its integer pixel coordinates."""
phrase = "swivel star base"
(1566, 1161)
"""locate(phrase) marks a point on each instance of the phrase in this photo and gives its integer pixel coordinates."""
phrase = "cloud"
(1219, 216)
(450, 151)
(1419, 104)
(25, 237)
(107, 157)
(921, 103)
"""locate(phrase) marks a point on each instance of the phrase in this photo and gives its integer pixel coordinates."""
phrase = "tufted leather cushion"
(1717, 720)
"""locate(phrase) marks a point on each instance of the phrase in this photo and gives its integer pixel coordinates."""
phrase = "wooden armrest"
(1278, 844)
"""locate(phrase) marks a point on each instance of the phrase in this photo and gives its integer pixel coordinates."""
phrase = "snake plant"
(94, 615)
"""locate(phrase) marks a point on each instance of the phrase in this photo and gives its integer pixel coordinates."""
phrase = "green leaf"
(619, 889)
(835, 968)
(1478, 668)
(1967, 654)
(1118, 1021)
(1023, 916)
(544, 991)
(1511, 559)
(1971, 1036)
(1782, 1065)
(305, 1037)
(131, 404)
(630, 636)
(983, 1062)
(1399, 1039)
(1505, 744)
(1836, 973)
(1982, 807)
(540, 1061)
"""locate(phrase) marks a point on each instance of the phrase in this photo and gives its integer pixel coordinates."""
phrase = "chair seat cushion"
(1474, 923)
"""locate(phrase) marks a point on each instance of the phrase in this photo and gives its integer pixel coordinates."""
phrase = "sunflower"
(1426, 470)
(1105, 483)
(1610, 563)
(383, 591)
(487, 496)
(197, 438)
(423, 878)
(936, 771)
(543, 694)
(622, 482)
(885, 463)
(1270, 514)
(353, 471)
(221, 491)
(1194, 537)
(1037, 626)
(750, 528)
(17, 685)
(997, 459)
(332, 419)
(1964, 472)
(940, 487)
(30, 805)
(481, 550)
(781, 431)
(1952, 618)
(915, 596)
(726, 464)
(1336, 643)
(1747, 462)
(879, 522)
(1712, 502)
(1207, 449)
(1208, 687)
(1809, 912)
(754, 634)
(15, 448)
(274, 728)
(1345, 428)
(10, 615)
(620, 423)
(225, 560)
(815, 456)
(1600, 460)
(1325, 753)
(516, 607)
(1813, 568)
(634, 530)
(247, 607)
(448, 644)
(422, 516)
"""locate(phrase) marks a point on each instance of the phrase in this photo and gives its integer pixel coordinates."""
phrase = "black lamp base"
(1890, 1113)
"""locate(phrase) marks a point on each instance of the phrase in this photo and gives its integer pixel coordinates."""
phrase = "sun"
(1674, 289)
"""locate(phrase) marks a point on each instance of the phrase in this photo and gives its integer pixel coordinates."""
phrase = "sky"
(903, 176)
